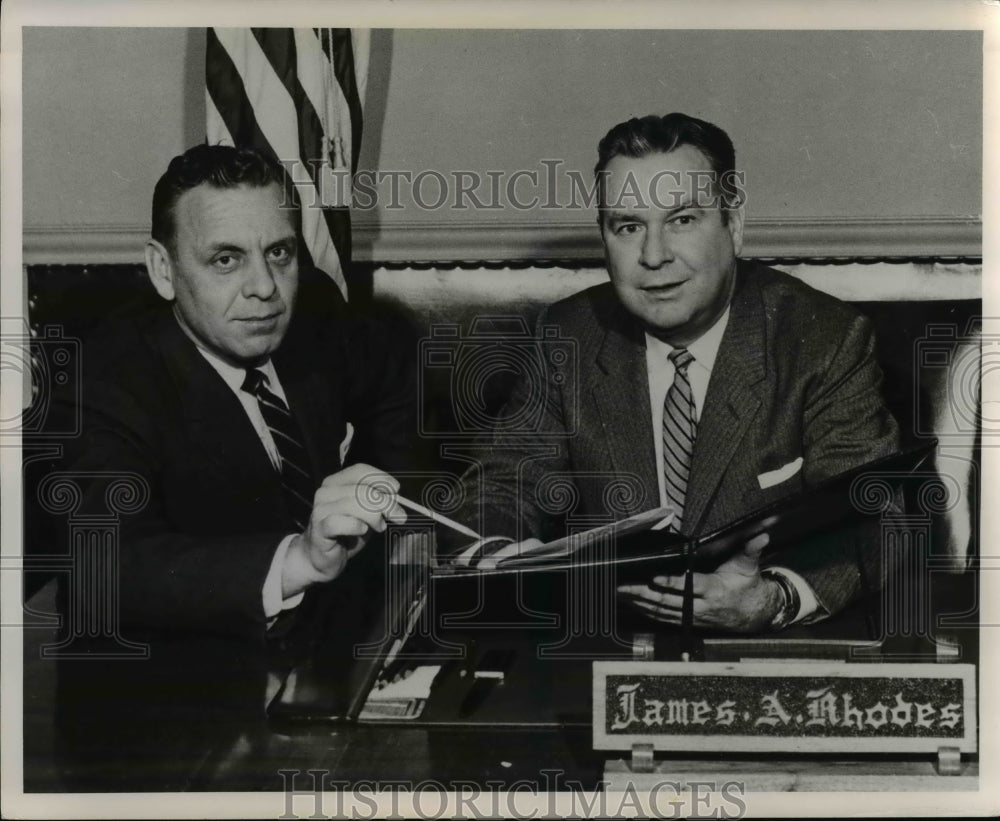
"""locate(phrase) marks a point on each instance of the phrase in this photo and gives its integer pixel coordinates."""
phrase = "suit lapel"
(307, 395)
(620, 388)
(733, 397)
(214, 417)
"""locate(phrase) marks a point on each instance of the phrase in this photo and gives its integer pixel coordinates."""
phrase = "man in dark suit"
(717, 385)
(232, 406)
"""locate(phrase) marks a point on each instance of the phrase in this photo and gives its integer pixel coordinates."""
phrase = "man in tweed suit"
(719, 385)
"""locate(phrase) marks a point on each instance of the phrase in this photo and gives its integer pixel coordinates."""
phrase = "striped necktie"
(296, 482)
(679, 417)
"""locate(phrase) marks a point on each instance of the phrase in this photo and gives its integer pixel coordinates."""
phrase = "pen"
(437, 517)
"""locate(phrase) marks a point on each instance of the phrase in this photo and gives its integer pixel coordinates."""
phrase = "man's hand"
(734, 597)
(505, 552)
(348, 506)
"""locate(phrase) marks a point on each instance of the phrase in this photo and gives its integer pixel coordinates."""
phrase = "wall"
(866, 143)
(104, 110)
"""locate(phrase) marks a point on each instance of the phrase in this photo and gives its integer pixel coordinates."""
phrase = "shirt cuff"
(809, 606)
(273, 602)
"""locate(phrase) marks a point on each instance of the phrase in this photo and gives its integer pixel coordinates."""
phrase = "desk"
(192, 717)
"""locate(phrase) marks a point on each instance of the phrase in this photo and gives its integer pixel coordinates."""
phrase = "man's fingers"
(336, 525)
(641, 594)
(757, 544)
(372, 508)
(374, 491)
(700, 584)
(677, 584)
(331, 542)
(515, 549)
(356, 548)
(746, 561)
(376, 502)
(728, 598)
(396, 514)
(351, 475)
(666, 616)
(362, 474)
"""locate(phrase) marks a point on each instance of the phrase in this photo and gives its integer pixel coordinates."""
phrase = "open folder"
(499, 551)
(641, 543)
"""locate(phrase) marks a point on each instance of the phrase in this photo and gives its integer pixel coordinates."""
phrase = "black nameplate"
(789, 707)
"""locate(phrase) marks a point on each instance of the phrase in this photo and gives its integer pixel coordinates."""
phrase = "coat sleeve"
(846, 424)
(167, 578)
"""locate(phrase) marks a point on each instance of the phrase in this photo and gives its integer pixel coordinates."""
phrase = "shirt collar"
(704, 349)
(234, 376)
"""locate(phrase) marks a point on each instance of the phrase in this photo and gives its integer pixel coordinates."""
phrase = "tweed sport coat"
(795, 376)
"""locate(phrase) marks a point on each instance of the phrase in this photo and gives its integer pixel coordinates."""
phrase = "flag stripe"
(331, 108)
(230, 115)
(310, 66)
(216, 125)
(313, 75)
(277, 91)
(280, 48)
(225, 86)
(277, 118)
(338, 110)
(342, 53)
(361, 45)
(277, 123)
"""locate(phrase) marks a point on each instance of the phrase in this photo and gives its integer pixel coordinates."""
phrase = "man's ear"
(737, 214)
(160, 269)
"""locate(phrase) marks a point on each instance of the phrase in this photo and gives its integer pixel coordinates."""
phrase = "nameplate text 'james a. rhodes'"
(787, 707)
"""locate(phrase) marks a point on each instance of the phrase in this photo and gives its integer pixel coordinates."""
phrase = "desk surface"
(193, 716)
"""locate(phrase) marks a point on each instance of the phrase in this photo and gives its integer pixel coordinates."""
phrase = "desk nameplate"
(824, 707)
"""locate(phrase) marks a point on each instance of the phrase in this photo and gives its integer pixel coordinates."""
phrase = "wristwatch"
(790, 602)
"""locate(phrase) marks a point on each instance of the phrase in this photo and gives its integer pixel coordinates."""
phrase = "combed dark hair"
(642, 136)
(220, 166)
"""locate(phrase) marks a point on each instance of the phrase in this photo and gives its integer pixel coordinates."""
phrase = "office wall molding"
(405, 242)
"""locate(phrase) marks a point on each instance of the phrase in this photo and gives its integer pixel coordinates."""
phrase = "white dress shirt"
(660, 371)
(234, 378)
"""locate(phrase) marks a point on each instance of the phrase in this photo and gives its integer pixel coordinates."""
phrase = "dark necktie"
(296, 482)
(678, 435)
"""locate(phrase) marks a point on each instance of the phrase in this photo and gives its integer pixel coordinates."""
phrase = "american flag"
(296, 94)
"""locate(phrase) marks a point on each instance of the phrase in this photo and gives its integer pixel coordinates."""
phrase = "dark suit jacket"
(795, 376)
(196, 555)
